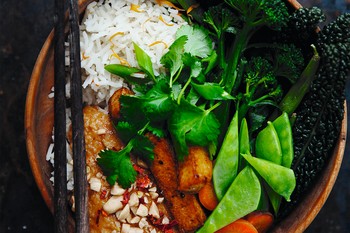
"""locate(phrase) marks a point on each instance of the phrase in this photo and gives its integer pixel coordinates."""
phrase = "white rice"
(107, 33)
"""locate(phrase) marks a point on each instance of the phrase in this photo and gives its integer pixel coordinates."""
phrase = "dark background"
(24, 26)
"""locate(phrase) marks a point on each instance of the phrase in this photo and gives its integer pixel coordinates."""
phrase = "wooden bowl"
(39, 122)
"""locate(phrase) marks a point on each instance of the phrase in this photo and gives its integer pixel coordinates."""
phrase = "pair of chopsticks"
(60, 162)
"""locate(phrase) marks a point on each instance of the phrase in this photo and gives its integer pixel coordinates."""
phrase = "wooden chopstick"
(79, 161)
(60, 160)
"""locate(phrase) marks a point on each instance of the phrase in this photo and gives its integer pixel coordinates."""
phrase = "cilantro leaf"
(157, 103)
(117, 166)
(143, 147)
(192, 125)
(198, 44)
(173, 58)
(212, 91)
(194, 63)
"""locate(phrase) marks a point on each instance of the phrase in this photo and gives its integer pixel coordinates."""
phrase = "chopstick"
(80, 182)
(60, 160)
(79, 157)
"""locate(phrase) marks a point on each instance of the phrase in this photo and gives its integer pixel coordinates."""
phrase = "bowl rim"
(315, 198)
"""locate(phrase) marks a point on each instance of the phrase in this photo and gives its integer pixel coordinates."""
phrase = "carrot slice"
(208, 197)
(238, 226)
(261, 220)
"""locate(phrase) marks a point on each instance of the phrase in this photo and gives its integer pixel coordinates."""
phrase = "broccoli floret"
(288, 62)
(272, 13)
(254, 14)
(220, 19)
(261, 85)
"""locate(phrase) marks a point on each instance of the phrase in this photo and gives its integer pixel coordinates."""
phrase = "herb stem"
(183, 90)
(214, 106)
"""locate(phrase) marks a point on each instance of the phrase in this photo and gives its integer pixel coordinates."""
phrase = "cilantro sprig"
(117, 165)
(180, 103)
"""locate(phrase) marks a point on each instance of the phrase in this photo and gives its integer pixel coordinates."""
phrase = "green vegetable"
(319, 116)
(236, 203)
(253, 15)
(226, 165)
(126, 73)
(267, 145)
(191, 125)
(296, 93)
(144, 61)
(279, 178)
(261, 85)
(244, 142)
(284, 132)
(117, 166)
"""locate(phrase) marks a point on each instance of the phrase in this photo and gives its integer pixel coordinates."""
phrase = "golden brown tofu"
(114, 103)
(104, 215)
(99, 135)
(185, 207)
(196, 170)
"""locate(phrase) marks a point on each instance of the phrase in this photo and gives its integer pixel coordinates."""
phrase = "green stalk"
(237, 49)
(296, 93)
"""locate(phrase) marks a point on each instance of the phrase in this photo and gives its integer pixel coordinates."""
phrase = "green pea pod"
(226, 164)
(279, 178)
(244, 143)
(267, 145)
(240, 199)
(275, 199)
(284, 131)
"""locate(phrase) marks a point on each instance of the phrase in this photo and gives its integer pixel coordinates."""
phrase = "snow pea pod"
(244, 145)
(279, 178)
(226, 164)
(240, 199)
(284, 131)
(267, 145)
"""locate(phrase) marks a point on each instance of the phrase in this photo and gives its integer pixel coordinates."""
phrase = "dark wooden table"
(24, 26)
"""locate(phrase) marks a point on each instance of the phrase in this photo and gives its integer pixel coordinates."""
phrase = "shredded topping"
(135, 8)
(159, 42)
(122, 60)
(168, 3)
(168, 24)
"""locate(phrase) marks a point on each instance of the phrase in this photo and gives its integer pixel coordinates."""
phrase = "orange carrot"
(238, 226)
(261, 220)
(208, 197)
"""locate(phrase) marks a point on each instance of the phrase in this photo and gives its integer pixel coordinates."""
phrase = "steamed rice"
(107, 33)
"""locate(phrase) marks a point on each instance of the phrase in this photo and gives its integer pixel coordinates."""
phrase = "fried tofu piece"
(99, 135)
(185, 208)
(114, 103)
(195, 170)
